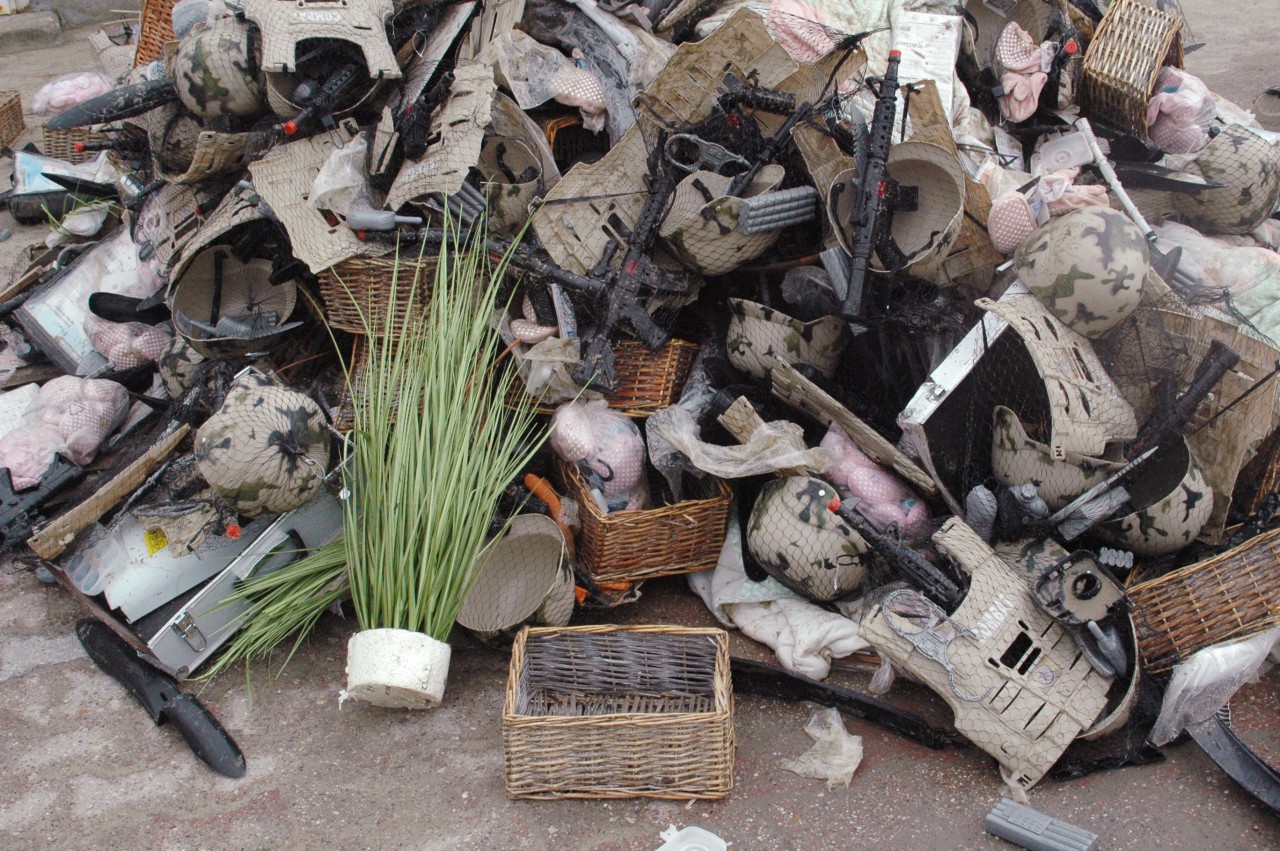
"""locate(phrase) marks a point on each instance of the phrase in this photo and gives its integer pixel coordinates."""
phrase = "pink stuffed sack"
(1023, 75)
(83, 411)
(608, 448)
(26, 453)
(884, 499)
(1180, 112)
(126, 344)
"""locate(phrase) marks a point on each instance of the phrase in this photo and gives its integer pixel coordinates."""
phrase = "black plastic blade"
(117, 104)
(1237, 759)
(159, 695)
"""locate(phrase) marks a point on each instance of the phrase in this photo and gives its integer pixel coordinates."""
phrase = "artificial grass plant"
(433, 447)
(431, 450)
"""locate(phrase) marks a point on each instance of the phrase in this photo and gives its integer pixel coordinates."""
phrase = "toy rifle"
(931, 581)
(870, 224)
(636, 275)
(325, 99)
(1154, 438)
(19, 510)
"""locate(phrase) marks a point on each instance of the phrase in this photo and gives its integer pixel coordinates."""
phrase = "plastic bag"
(72, 416)
(1180, 112)
(884, 499)
(341, 185)
(126, 344)
(609, 450)
(62, 93)
(186, 14)
(835, 754)
(772, 447)
(1201, 685)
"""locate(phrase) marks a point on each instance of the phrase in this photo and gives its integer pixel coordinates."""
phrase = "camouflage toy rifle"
(628, 283)
(870, 225)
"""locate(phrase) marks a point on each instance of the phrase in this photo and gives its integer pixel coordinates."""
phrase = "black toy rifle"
(1161, 431)
(19, 510)
(869, 225)
(325, 99)
(914, 567)
(636, 275)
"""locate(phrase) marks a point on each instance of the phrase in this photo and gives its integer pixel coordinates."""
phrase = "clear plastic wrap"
(1201, 685)
(609, 450)
(342, 184)
(835, 754)
(70, 415)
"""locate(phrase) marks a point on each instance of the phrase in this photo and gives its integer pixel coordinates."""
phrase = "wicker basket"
(1131, 45)
(359, 289)
(628, 546)
(61, 144)
(619, 712)
(155, 31)
(647, 381)
(11, 123)
(1233, 595)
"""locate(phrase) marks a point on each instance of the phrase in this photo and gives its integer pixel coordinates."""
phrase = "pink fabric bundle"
(608, 448)
(884, 499)
(1180, 112)
(126, 344)
(1024, 74)
(72, 416)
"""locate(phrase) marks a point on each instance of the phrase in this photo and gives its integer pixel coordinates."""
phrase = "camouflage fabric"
(266, 450)
(759, 335)
(1087, 267)
(1173, 508)
(177, 365)
(1017, 459)
(1250, 169)
(801, 543)
(215, 71)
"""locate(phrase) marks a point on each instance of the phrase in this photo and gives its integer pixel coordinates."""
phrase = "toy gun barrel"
(1219, 360)
(932, 582)
(522, 257)
(124, 144)
(873, 188)
(737, 93)
(771, 149)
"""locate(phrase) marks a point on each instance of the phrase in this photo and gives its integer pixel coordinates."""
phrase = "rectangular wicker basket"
(1133, 42)
(630, 546)
(619, 712)
(11, 122)
(362, 287)
(1233, 595)
(647, 381)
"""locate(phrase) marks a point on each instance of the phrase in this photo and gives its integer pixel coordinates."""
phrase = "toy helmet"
(759, 335)
(1087, 267)
(177, 365)
(266, 449)
(803, 544)
(1250, 169)
(215, 71)
(1017, 458)
(1173, 500)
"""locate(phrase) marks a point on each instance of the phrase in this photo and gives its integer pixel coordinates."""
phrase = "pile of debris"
(946, 332)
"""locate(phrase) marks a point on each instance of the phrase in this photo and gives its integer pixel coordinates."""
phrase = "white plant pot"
(396, 668)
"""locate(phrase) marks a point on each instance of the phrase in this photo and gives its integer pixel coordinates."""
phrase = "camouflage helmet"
(1087, 266)
(266, 449)
(1249, 168)
(177, 365)
(215, 70)
(759, 335)
(794, 536)
(1173, 502)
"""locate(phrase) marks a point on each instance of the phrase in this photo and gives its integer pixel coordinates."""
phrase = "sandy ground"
(84, 768)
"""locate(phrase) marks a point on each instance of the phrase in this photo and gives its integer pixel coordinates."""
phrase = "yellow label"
(156, 539)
